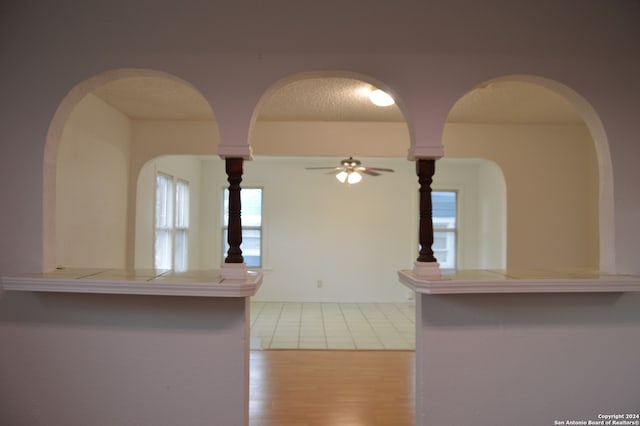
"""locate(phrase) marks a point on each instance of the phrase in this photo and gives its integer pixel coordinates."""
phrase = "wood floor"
(328, 388)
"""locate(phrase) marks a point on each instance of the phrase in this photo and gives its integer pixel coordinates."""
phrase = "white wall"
(91, 186)
(101, 154)
(308, 138)
(520, 150)
(214, 179)
(543, 193)
(551, 197)
(551, 178)
(352, 239)
(492, 212)
(590, 47)
(550, 173)
(124, 360)
(525, 359)
(482, 204)
(150, 140)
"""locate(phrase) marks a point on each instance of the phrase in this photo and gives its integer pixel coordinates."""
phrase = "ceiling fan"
(349, 171)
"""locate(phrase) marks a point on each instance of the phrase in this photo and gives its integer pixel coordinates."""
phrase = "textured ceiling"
(323, 99)
(337, 99)
(155, 98)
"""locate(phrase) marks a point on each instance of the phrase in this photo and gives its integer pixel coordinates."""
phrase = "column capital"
(240, 151)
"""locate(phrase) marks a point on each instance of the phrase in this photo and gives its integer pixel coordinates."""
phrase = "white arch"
(54, 136)
(605, 168)
(275, 86)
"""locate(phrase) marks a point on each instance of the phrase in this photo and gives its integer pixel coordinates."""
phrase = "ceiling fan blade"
(368, 172)
(352, 165)
(379, 169)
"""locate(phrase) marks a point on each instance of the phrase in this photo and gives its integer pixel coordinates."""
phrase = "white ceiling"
(337, 99)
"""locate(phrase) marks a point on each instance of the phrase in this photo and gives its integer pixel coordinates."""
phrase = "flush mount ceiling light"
(381, 98)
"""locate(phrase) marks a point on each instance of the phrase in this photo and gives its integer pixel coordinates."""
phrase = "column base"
(429, 270)
(234, 271)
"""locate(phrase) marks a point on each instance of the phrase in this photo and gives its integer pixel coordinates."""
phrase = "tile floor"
(286, 325)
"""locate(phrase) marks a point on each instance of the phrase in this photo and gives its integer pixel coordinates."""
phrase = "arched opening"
(545, 149)
(331, 241)
(328, 244)
(103, 132)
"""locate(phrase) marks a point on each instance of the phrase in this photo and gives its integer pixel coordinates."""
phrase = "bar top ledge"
(194, 283)
(536, 281)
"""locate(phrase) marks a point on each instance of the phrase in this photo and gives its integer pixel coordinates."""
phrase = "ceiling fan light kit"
(350, 171)
(349, 177)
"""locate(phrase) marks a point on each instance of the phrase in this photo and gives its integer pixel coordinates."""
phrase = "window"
(445, 227)
(172, 223)
(251, 202)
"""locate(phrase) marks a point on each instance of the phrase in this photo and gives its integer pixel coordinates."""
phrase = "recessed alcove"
(110, 130)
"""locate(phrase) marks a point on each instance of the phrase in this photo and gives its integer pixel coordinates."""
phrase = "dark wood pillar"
(234, 227)
(425, 170)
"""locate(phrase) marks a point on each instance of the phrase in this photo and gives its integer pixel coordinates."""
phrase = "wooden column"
(425, 169)
(234, 227)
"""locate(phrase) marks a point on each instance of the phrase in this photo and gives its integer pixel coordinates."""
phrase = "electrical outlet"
(319, 283)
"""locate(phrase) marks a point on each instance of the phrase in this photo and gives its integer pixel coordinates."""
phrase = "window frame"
(449, 232)
(175, 209)
(181, 228)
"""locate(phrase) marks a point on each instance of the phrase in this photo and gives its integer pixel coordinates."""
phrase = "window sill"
(196, 283)
(536, 281)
